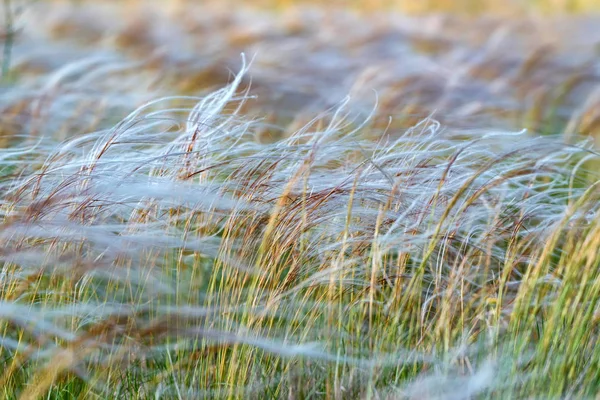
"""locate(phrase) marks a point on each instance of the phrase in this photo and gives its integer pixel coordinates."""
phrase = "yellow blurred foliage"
(408, 6)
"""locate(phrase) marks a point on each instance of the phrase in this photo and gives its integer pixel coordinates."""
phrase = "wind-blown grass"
(177, 255)
(522, 71)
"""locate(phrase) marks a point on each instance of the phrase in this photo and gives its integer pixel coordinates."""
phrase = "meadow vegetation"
(292, 202)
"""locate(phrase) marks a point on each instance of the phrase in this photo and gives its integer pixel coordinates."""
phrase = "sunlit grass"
(231, 238)
(162, 260)
(412, 6)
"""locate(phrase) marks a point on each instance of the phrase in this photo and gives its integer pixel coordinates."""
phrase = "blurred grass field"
(276, 199)
(517, 71)
(470, 7)
(411, 6)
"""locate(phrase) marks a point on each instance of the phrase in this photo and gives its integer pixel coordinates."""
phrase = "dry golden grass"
(258, 234)
(507, 72)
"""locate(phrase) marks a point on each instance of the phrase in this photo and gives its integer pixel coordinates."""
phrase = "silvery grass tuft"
(175, 255)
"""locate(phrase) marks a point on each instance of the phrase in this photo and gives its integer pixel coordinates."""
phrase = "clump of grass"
(175, 255)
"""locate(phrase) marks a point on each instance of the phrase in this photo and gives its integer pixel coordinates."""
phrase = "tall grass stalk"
(175, 255)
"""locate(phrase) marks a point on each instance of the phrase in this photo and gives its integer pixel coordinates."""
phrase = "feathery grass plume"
(176, 255)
